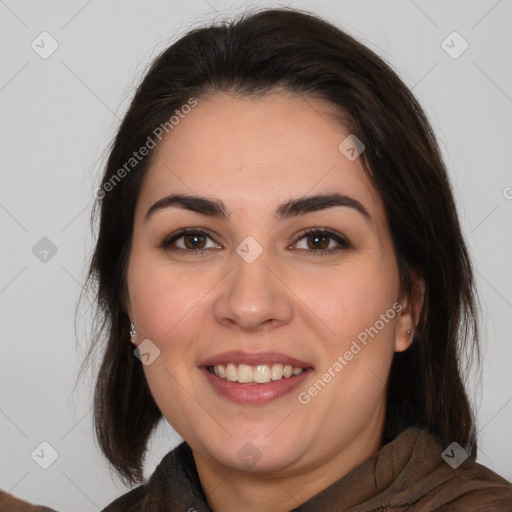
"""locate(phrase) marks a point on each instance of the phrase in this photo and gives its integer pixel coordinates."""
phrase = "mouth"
(254, 377)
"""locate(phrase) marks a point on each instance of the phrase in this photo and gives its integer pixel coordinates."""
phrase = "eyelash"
(343, 242)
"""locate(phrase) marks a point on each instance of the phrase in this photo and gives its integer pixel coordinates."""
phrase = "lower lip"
(255, 393)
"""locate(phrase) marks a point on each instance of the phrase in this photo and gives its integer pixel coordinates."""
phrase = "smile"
(254, 378)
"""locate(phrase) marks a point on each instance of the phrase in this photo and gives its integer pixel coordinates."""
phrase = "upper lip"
(253, 358)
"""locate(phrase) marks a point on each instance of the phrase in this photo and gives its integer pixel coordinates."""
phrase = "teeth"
(261, 373)
(276, 372)
(231, 372)
(245, 373)
(221, 371)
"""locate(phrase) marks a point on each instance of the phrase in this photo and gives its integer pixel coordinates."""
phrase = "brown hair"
(303, 54)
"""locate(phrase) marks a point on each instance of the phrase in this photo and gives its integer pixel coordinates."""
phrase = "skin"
(254, 154)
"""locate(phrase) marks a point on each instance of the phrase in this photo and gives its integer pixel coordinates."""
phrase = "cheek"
(352, 297)
(358, 302)
(163, 297)
(165, 306)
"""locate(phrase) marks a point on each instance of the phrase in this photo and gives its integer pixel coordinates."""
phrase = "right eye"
(189, 240)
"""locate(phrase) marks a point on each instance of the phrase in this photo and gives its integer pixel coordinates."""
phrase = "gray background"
(58, 116)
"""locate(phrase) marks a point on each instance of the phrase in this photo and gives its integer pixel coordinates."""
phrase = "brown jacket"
(407, 474)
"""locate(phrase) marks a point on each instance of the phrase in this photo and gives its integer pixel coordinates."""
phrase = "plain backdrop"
(58, 115)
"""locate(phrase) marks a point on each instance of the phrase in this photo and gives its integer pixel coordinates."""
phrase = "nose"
(253, 296)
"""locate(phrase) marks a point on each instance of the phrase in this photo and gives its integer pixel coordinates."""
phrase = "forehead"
(258, 152)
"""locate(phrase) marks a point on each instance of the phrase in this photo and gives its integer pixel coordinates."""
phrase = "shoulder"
(476, 487)
(132, 501)
(10, 503)
(469, 487)
(425, 480)
(166, 475)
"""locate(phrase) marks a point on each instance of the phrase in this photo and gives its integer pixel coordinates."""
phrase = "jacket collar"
(387, 478)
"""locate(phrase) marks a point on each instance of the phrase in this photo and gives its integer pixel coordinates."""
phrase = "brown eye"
(191, 241)
(318, 241)
(196, 241)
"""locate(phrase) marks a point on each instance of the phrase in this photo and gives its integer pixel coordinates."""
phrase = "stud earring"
(409, 333)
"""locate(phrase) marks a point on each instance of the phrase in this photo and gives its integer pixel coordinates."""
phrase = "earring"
(409, 332)
(133, 331)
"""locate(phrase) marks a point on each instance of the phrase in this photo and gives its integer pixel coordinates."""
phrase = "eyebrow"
(292, 208)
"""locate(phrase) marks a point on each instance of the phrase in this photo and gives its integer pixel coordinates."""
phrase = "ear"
(410, 312)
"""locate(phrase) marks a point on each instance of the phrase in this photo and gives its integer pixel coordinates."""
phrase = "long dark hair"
(301, 53)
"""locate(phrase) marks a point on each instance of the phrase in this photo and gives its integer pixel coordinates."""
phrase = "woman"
(279, 240)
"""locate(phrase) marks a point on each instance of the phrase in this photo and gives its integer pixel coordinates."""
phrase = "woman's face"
(250, 295)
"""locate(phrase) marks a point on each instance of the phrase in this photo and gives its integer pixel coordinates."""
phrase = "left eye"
(321, 241)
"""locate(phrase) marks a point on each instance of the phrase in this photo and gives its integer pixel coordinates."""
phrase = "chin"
(256, 456)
